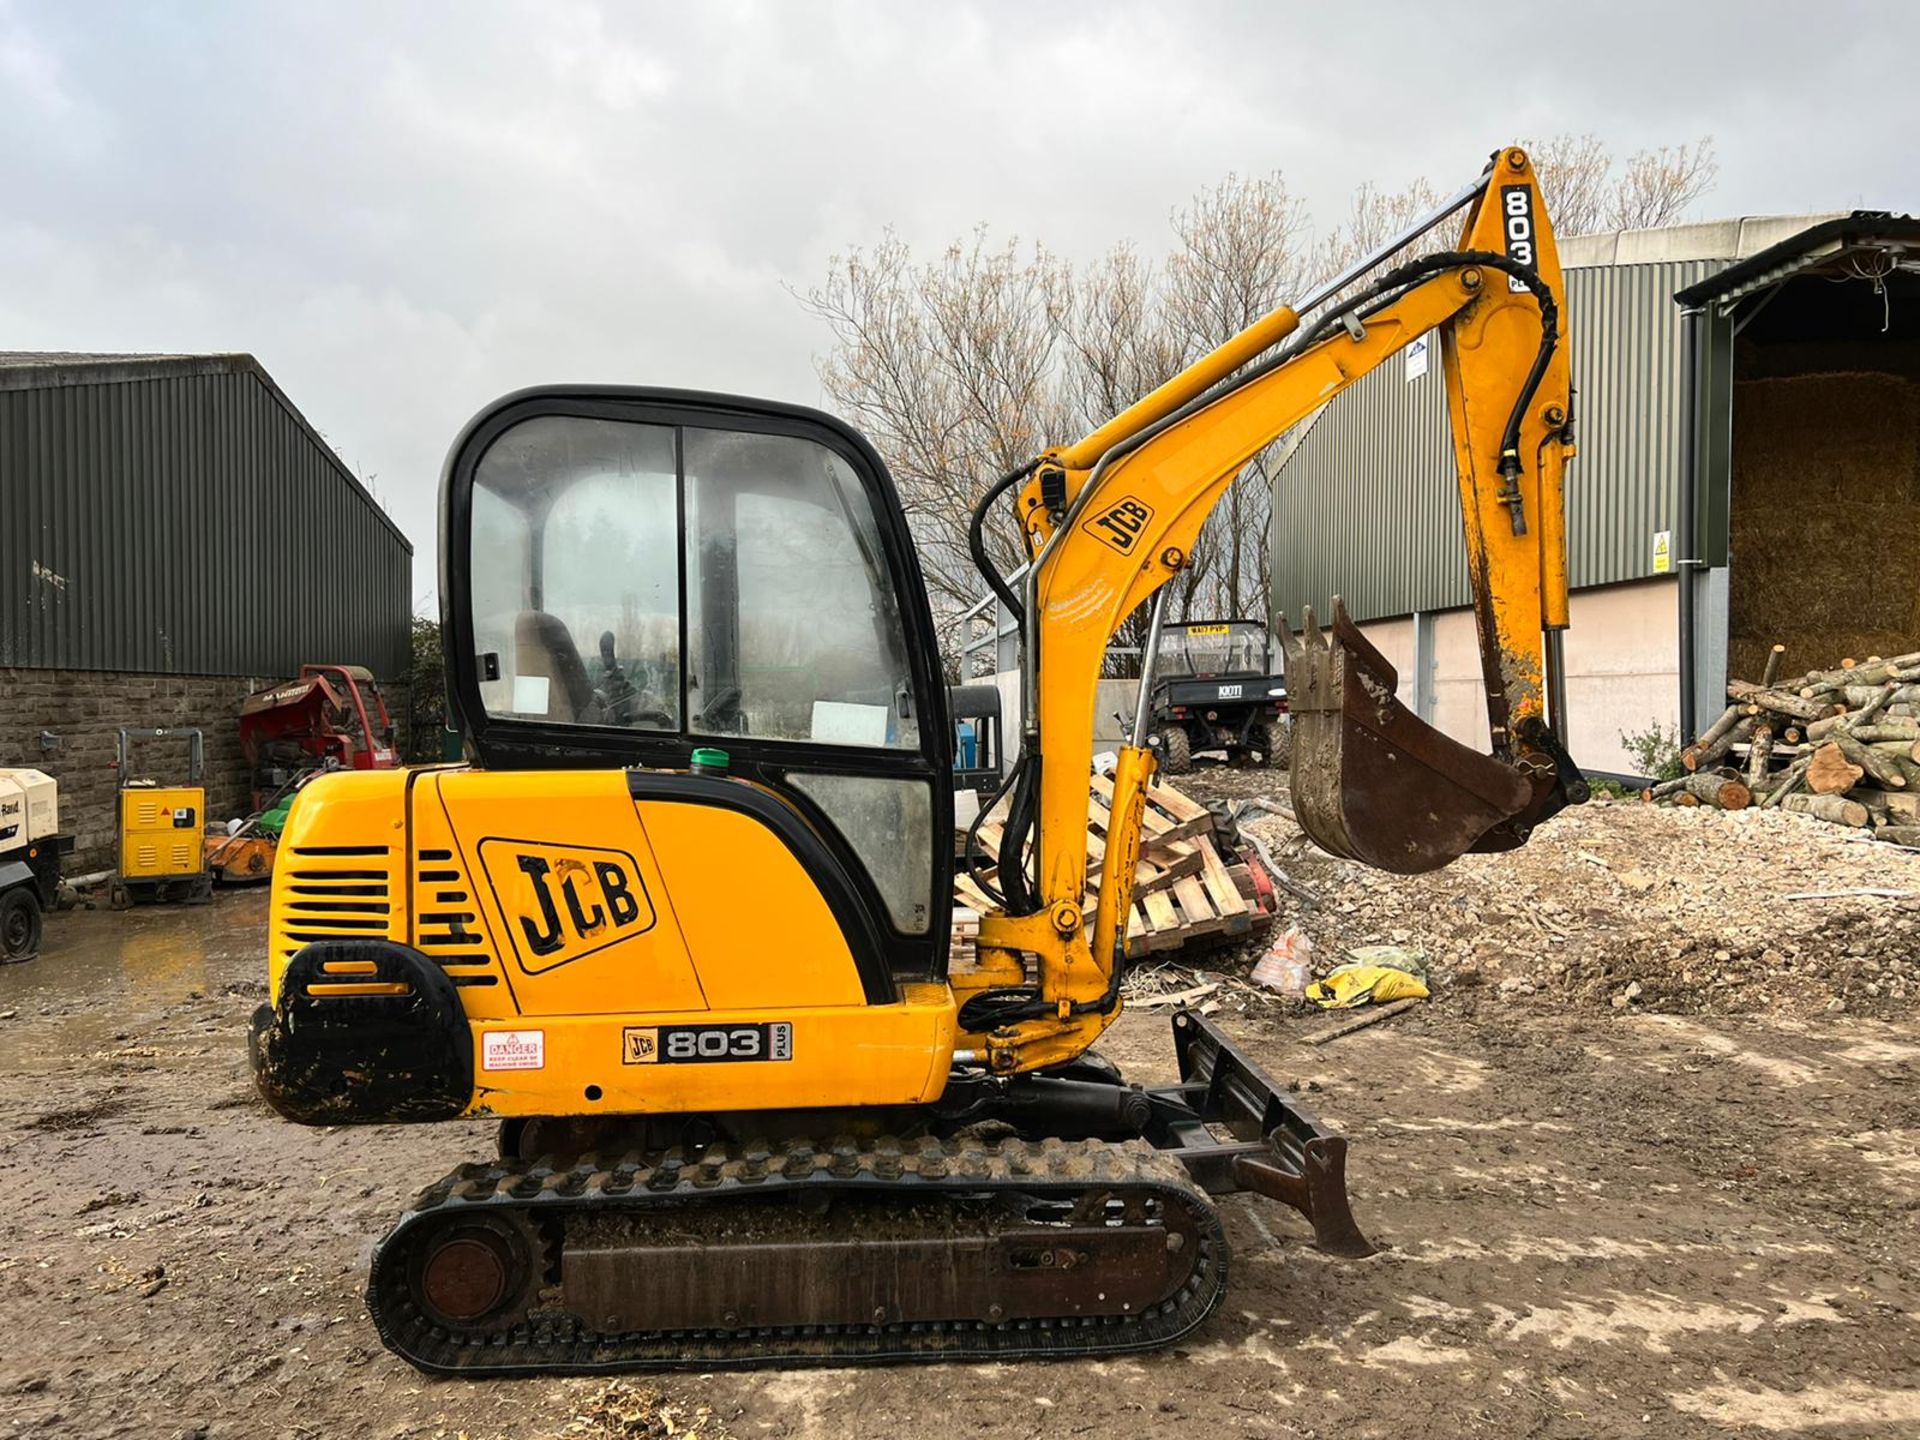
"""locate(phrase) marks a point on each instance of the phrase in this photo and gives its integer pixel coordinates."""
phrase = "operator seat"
(543, 646)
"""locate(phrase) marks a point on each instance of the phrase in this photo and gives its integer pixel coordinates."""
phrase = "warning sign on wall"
(1417, 356)
(1662, 552)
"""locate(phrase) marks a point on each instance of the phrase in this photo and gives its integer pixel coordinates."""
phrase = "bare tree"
(1589, 192)
(1244, 249)
(1659, 186)
(949, 369)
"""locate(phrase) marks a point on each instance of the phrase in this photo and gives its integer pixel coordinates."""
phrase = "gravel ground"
(1689, 1216)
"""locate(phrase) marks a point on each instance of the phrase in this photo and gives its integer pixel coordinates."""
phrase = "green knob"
(709, 761)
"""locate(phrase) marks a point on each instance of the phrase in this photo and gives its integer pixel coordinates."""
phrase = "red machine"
(331, 713)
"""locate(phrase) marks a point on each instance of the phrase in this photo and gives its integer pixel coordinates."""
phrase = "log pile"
(1841, 745)
(1189, 887)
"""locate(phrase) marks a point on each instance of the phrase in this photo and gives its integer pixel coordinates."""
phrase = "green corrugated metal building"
(1675, 403)
(172, 533)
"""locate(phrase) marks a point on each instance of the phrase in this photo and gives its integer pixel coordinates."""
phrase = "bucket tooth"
(1371, 781)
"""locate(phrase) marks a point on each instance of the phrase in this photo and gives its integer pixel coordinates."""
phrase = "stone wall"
(83, 710)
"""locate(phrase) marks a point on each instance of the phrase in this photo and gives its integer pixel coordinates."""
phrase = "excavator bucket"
(1371, 781)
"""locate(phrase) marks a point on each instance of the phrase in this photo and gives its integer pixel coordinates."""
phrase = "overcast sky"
(405, 210)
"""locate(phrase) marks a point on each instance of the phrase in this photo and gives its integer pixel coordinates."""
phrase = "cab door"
(631, 575)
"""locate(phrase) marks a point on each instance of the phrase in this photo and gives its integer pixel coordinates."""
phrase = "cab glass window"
(575, 574)
(793, 628)
(586, 533)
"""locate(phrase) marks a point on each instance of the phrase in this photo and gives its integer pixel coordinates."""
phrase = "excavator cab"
(672, 581)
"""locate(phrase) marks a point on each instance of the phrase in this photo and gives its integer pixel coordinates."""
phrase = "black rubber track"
(550, 1341)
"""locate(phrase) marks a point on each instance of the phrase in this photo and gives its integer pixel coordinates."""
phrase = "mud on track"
(1600, 1225)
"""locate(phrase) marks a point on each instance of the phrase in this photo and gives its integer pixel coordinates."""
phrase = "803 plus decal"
(705, 1044)
(1516, 203)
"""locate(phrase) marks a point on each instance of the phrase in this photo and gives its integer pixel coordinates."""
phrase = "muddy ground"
(1597, 1221)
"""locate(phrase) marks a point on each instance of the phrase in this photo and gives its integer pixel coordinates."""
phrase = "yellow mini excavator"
(680, 923)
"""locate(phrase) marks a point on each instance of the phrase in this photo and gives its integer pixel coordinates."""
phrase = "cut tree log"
(1778, 700)
(1904, 807)
(1885, 730)
(1718, 791)
(1907, 835)
(1760, 754)
(1884, 769)
(1836, 809)
(1772, 668)
(1874, 800)
(1857, 696)
(1712, 735)
(1707, 753)
(1876, 672)
(1831, 773)
(1869, 712)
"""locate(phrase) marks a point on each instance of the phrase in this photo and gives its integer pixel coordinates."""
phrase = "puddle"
(102, 973)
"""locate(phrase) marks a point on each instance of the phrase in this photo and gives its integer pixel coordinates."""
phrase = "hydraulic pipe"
(1149, 658)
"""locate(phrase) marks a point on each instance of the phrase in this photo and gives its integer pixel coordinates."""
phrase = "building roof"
(50, 369)
(1734, 239)
(1828, 245)
(40, 369)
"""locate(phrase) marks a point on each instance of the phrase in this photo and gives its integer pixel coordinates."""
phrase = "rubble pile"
(1630, 906)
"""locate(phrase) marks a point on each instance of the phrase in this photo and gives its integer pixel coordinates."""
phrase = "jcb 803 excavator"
(680, 923)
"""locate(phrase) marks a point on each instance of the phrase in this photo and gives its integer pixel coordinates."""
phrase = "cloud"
(405, 211)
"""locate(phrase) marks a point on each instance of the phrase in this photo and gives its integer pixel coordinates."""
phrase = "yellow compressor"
(162, 828)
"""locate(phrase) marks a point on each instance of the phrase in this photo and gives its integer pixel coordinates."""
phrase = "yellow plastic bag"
(1353, 985)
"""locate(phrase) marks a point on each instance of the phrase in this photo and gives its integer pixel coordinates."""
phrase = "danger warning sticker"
(513, 1050)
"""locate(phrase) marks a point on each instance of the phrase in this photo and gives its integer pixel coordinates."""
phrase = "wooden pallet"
(1183, 890)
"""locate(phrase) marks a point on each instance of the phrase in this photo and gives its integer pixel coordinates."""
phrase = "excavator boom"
(1111, 520)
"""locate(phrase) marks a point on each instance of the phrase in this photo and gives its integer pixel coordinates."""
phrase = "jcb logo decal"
(565, 902)
(1120, 524)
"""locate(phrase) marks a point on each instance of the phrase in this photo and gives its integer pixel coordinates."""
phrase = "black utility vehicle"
(1214, 688)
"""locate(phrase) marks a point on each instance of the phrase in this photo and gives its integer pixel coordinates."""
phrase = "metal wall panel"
(1368, 506)
(188, 524)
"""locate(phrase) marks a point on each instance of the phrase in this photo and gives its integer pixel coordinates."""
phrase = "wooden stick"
(1373, 1016)
(1181, 998)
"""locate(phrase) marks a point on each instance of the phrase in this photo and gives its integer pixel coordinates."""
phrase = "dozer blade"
(1371, 781)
